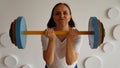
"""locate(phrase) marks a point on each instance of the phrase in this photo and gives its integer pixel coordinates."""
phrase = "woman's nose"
(61, 15)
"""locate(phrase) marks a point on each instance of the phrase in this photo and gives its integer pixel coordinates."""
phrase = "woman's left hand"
(72, 34)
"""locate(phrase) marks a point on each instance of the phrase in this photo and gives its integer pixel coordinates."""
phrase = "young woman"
(61, 51)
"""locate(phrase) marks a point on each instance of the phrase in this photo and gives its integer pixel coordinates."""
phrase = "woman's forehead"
(61, 7)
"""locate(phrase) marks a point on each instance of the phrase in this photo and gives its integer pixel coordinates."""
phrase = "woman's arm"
(49, 53)
(71, 54)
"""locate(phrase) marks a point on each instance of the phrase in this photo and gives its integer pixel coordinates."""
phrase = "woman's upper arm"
(44, 41)
(78, 43)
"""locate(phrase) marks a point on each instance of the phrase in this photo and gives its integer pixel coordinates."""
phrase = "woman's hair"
(51, 22)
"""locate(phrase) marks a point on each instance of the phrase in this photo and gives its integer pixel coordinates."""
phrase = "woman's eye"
(65, 13)
(57, 13)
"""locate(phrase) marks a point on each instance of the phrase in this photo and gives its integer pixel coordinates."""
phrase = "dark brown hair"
(51, 22)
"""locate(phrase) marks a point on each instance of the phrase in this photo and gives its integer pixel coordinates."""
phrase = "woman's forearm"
(49, 53)
(71, 55)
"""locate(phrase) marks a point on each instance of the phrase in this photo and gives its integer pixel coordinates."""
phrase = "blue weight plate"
(20, 37)
(93, 26)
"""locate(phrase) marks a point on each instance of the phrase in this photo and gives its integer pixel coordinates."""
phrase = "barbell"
(18, 32)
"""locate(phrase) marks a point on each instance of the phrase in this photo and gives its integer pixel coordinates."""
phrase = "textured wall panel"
(26, 66)
(113, 13)
(37, 18)
(93, 62)
(116, 32)
(11, 61)
(5, 40)
(108, 47)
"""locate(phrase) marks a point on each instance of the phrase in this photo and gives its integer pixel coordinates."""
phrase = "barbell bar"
(18, 32)
(57, 32)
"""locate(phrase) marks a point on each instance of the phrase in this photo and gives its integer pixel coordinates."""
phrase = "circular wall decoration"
(113, 13)
(93, 62)
(5, 40)
(1, 38)
(10, 61)
(108, 47)
(116, 32)
(27, 66)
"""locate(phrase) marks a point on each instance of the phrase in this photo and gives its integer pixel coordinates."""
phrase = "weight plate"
(20, 37)
(93, 26)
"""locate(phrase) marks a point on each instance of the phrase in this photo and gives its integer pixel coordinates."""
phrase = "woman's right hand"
(50, 33)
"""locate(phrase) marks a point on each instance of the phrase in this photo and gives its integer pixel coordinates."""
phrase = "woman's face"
(61, 16)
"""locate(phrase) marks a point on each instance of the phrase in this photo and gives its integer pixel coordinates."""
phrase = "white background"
(37, 14)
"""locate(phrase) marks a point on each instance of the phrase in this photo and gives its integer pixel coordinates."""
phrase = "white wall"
(37, 14)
